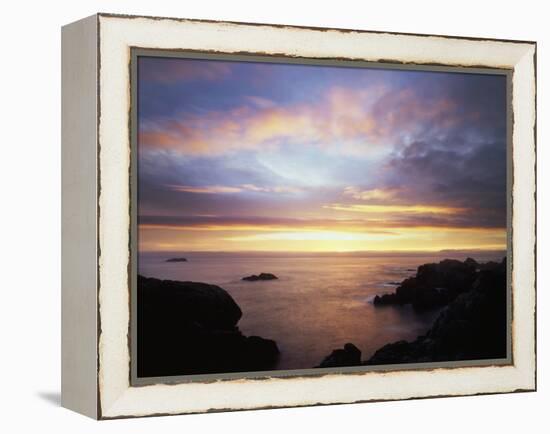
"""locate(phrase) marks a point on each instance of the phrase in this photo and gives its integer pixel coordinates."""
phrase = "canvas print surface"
(295, 216)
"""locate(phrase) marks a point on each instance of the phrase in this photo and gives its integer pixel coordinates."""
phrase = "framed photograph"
(261, 216)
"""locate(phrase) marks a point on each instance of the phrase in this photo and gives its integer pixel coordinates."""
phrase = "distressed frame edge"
(529, 386)
(316, 28)
(79, 273)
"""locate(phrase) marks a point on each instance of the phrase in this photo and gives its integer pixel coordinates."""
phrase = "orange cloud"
(340, 118)
(353, 121)
(372, 194)
(411, 209)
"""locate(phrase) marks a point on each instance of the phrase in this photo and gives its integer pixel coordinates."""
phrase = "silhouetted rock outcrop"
(350, 355)
(176, 260)
(433, 285)
(191, 328)
(261, 276)
(472, 327)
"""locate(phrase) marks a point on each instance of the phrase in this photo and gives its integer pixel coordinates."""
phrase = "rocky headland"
(435, 285)
(472, 325)
(191, 328)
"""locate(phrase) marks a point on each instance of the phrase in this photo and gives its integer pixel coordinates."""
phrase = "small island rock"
(176, 260)
(261, 276)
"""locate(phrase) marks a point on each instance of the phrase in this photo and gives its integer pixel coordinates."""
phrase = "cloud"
(168, 70)
(371, 194)
(453, 174)
(345, 120)
(209, 189)
(223, 189)
(312, 236)
(316, 149)
(260, 102)
(408, 111)
(396, 209)
(204, 107)
(339, 121)
(255, 223)
(368, 224)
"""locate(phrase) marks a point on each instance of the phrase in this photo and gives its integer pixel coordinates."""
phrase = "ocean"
(319, 302)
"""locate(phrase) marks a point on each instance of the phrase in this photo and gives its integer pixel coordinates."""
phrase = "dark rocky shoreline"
(433, 285)
(187, 328)
(471, 327)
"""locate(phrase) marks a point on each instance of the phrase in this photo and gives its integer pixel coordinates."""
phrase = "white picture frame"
(96, 140)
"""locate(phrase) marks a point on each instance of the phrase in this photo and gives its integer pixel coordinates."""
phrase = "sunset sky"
(242, 156)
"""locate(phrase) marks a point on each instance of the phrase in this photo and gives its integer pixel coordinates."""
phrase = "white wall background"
(30, 216)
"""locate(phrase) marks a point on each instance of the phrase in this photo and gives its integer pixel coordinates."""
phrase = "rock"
(471, 327)
(189, 328)
(386, 299)
(261, 276)
(262, 351)
(350, 355)
(491, 265)
(397, 352)
(429, 298)
(433, 285)
(471, 262)
(449, 273)
(208, 305)
(176, 260)
(476, 321)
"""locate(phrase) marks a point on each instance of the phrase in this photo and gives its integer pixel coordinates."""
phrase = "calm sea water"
(319, 302)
